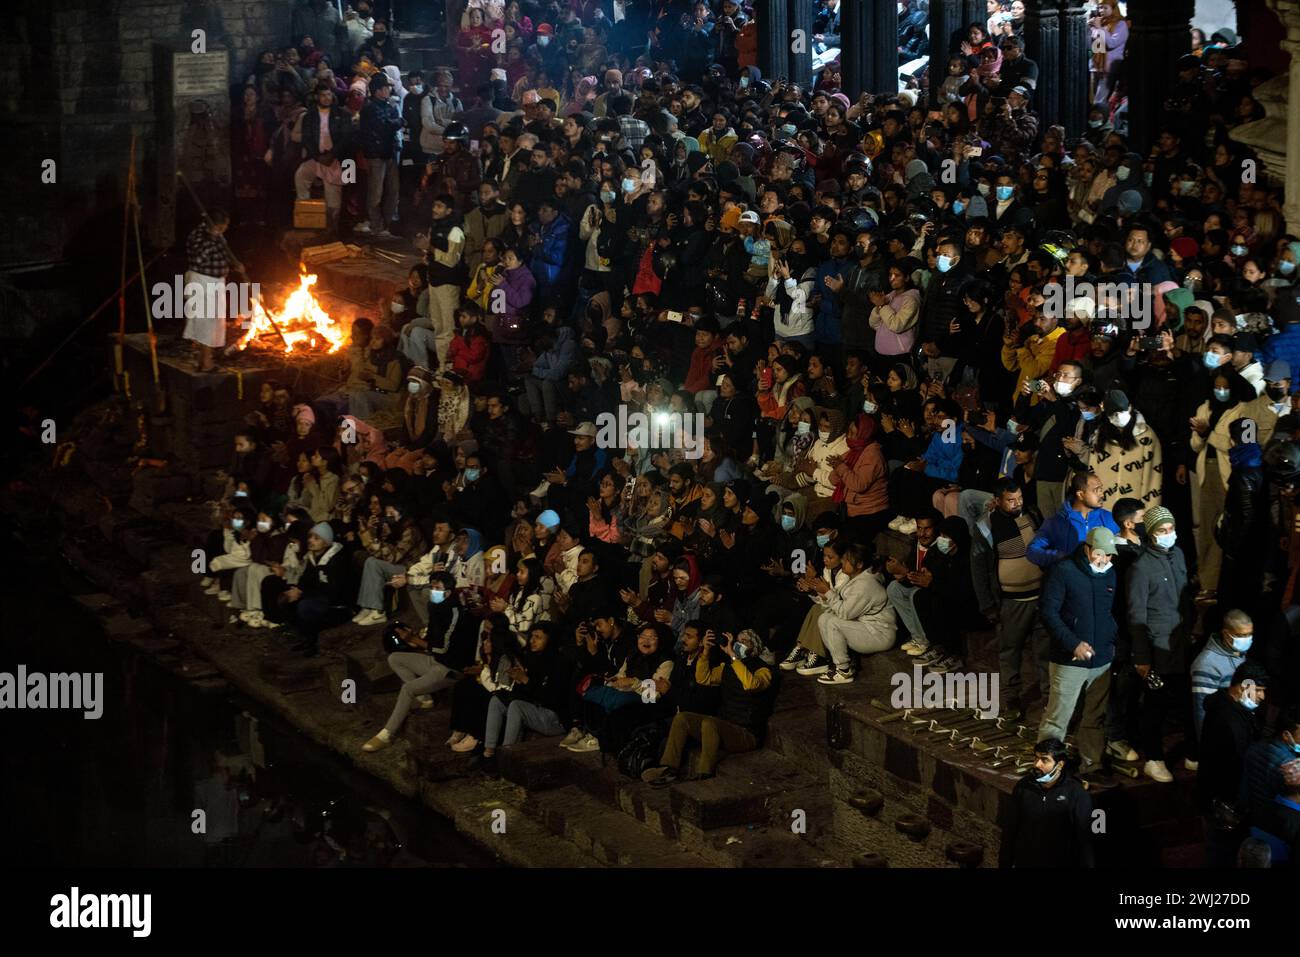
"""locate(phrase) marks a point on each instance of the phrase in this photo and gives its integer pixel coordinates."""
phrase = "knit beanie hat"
(1155, 517)
(324, 531)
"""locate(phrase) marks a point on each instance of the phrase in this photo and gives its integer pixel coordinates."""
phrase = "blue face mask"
(1295, 746)
(1249, 703)
(471, 475)
(1238, 250)
(1286, 267)
(739, 649)
(237, 523)
(1044, 778)
(1212, 360)
(1087, 415)
(1242, 643)
(823, 541)
(787, 522)
(1223, 395)
(629, 184)
(607, 196)
(958, 207)
(803, 428)
(437, 597)
(1094, 124)
(240, 493)
(1005, 193)
(869, 407)
(1166, 540)
(944, 263)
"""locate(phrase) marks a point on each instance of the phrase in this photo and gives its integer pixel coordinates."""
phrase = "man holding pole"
(205, 288)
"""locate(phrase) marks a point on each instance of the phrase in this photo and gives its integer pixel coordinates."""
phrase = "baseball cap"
(749, 216)
(1102, 540)
(585, 428)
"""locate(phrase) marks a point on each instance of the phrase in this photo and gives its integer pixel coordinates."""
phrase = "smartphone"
(473, 147)
(1149, 342)
(675, 316)
(975, 151)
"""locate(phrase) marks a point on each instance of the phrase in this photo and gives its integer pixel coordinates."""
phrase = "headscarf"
(475, 542)
(866, 433)
(693, 571)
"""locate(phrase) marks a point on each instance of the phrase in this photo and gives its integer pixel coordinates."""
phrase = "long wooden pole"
(118, 349)
(148, 313)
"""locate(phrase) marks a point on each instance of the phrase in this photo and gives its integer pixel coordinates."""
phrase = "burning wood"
(302, 320)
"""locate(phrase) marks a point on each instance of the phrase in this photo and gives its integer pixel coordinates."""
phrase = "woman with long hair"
(527, 603)
(490, 674)
(861, 476)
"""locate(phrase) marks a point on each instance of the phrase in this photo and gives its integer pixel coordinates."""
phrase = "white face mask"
(824, 435)
(413, 387)
(397, 307)
(1121, 419)
(943, 543)
(1063, 388)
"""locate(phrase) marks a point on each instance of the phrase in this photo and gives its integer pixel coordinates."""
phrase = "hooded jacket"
(553, 364)
(1158, 608)
(1061, 534)
(1078, 605)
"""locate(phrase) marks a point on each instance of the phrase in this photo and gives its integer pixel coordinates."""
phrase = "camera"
(1148, 343)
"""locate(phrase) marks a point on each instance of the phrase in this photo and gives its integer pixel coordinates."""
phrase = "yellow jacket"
(1033, 360)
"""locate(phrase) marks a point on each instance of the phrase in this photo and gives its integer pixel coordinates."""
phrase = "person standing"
(381, 127)
(447, 273)
(1213, 668)
(325, 134)
(1078, 610)
(1050, 816)
(1230, 729)
(208, 262)
(1158, 606)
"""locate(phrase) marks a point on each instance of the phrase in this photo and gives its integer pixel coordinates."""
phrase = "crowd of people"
(1062, 373)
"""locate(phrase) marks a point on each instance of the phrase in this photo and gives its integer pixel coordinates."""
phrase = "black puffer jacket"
(1245, 514)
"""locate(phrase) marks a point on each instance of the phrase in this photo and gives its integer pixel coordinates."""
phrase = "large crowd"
(1059, 375)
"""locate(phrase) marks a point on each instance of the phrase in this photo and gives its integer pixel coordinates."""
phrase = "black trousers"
(469, 707)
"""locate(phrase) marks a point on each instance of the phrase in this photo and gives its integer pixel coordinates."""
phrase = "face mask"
(943, 543)
(983, 188)
(1088, 415)
(1148, 178)
(1049, 776)
(1238, 250)
(1099, 569)
(629, 184)
(237, 523)
(1249, 703)
(1063, 388)
(869, 407)
(957, 207)
(824, 435)
(1212, 360)
(787, 522)
(607, 196)
(543, 41)
(803, 428)
(1095, 124)
(1286, 267)
(264, 526)
(823, 541)
(1121, 419)
(417, 88)
(1223, 394)
(1242, 643)
(739, 649)
(437, 597)
(744, 82)
(1276, 392)
(396, 307)
(1166, 540)
(1121, 173)
(1012, 425)
(1005, 193)
(413, 388)
(944, 263)
(240, 493)
(471, 475)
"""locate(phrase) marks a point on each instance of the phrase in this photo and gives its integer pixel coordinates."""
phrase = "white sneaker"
(814, 665)
(372, 617)
(1157, 771)
(467, 743)
(383, 234)
(911, 647)
(540, 491)
(908, 527)
(796, 657)
(223, 596)
(356, 619)
(213, 589)
(1191, 765)
(252, 618)
(919, 647)
(834, 676)
(206, 581)
(573, 737)
(588, 743)
(897, 522)
(361, 228)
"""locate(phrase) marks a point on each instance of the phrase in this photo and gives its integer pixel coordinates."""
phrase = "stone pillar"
(800, 17)
(1159, 33)
(774, 41)
(882, 31)
(945, 19)
(856, 51)
(974, 11)
(1043, 46)
(1076, 52)
(1288, 11)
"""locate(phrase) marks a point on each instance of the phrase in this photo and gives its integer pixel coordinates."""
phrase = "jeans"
(418, 342)
(1068, 682)
(516, 716)
(1020, 625)
(714, 735)
(420, 675)
(1051, 496)
(542, 398)
(367, 402)
(374, 574)
(382, 188)
(902, 598)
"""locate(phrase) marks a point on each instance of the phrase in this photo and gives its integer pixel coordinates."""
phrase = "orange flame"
(302, 320)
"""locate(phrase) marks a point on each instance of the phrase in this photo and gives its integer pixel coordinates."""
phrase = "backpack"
(643, 749)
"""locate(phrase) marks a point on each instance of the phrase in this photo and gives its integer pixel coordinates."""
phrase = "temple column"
(774, 41)
(1043, 46)
(1159, 33)
(1076, 52)
(945, 19)
(799, 15)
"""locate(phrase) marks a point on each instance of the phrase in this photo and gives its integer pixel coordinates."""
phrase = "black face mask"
(1276, 392)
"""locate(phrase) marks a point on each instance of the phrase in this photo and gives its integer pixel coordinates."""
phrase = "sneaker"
(373, 616)
(1157, 771)
(897, 522)
(455, 738)
(834, 676)
(1121, 751)
(465, 744)
(796, 657)
(651, 775)
(945, 664)
(361, 228)
(930, 656)
(356, 619)
(917, 647)
(424, 702)
(908, 527)
(213, 589)
(253, 619)
(573, 737)
(540, 491)
(377, 743)
(814, 665)
(383, 234)
(911, 647)
(1191, 765)
(206, 581)
(223, 596)
(586, 745)
(666, 777)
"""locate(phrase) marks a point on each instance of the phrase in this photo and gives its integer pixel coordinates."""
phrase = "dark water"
(122, 790)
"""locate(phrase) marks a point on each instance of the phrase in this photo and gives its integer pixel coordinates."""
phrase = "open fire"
(304, 322)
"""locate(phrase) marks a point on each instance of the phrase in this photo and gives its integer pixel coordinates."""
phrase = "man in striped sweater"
(1223, 653)
(1008, 586)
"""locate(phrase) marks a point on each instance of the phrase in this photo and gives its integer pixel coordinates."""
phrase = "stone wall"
(76, 77)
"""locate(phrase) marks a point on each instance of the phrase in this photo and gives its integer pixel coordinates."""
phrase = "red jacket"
(1073, 346)
(700, 376)
(469, 356)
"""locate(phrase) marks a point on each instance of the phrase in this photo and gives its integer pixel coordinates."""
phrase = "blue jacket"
(553, 364)
(826, 325)
(943, 459)
(1061, 534)
(1078, 605)
(549, 254)
(1285, 345)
